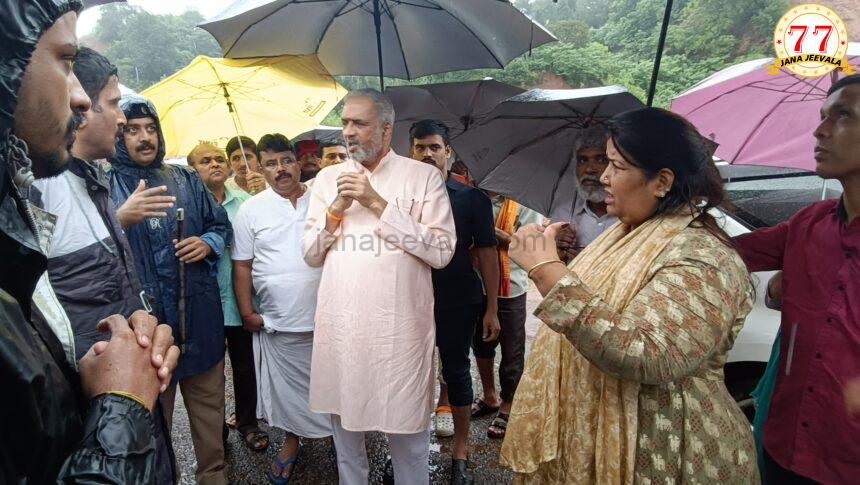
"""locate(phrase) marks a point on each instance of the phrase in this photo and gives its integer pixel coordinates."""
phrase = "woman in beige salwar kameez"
(624, 382)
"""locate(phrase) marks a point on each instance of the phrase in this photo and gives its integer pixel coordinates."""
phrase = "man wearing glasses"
(267, 257)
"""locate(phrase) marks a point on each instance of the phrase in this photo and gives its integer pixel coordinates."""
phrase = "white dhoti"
(283, 368)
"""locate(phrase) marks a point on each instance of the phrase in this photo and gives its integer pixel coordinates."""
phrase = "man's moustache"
(144, 146)
(72, 128)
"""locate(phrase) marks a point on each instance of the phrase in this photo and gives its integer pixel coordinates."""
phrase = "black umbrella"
(395, 38)
(459, 105)
(523, 148)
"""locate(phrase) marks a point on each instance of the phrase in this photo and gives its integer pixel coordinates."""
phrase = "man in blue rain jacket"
(149, 193)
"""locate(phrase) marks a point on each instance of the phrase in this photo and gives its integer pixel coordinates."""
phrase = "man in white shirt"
(267, 256)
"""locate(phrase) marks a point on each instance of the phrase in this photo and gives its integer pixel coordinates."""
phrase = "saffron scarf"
(506, 220)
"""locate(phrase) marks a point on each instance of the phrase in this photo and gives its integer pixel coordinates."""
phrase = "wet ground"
(316, 462)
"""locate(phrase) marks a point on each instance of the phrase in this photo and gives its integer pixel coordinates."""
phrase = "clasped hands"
(356, 187)
(139, 358)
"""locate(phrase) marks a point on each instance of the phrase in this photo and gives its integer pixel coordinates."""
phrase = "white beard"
(591, 194)
(363, 155)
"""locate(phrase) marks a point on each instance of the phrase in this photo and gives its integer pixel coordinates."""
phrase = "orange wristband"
(334, 217)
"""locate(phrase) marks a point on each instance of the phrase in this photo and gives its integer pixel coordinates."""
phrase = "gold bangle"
(334, 217)
(131, 396)
(542, 263)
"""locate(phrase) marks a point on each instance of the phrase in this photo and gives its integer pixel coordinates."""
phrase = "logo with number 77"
(810, 40)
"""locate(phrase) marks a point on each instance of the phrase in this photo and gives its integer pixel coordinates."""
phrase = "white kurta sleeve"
(316, 240)
(432, 237)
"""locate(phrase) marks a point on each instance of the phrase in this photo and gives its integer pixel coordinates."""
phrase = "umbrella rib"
(752, 85)
(405, 2)
(756, 129)
(473, 101)
(495, 58)
(812, 87)
(523, 146)
(252, 24)
(399, 42)
(331, 21)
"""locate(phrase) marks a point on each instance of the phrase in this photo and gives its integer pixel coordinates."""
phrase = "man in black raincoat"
(58, 425)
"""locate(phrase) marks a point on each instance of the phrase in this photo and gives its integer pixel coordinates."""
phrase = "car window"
(763, 197)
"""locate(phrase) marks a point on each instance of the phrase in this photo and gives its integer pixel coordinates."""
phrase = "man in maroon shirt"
(812, 432)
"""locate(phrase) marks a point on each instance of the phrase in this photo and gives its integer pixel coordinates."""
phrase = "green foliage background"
(600, 42)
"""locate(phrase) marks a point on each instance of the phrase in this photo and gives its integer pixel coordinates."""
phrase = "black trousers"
(512, 338)
(775, 474)
(454, 330)
(241, 353)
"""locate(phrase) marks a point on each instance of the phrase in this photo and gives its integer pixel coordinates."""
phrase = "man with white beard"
(376, 223)
(589, 217)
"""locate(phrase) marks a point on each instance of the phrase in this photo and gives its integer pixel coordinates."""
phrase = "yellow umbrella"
(213, 100)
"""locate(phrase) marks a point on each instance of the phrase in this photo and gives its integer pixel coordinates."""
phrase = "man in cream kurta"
(377, 224)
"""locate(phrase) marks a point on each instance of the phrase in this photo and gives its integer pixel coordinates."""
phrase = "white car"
(761, 197)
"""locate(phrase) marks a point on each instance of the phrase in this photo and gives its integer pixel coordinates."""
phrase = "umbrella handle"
(233, 116)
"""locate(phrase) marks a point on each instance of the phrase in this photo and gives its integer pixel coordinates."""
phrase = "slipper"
(280, 465)
(444, 421)
(500, 422)
(480, 408)
(256, 439)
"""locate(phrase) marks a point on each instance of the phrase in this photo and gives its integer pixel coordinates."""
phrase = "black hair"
(425, 128)
(94, 71)
(328, 144)
(275, 142)
(247, 143)
(845, 81)
(653, 139)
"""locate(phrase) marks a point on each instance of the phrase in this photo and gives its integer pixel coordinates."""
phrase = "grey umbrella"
(522, 149)
(396, 38)
(459, 105)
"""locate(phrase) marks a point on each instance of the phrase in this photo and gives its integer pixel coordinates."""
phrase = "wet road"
(316, 462)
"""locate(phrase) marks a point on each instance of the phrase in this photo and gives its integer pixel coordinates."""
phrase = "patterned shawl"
(567, 410)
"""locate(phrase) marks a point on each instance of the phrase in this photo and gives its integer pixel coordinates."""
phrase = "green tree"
(146, 47)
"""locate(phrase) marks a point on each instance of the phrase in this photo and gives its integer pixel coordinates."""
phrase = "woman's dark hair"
(247, 143)
(653, 139)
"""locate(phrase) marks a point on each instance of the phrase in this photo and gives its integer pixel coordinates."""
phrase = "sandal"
(500, 422)
(444, 421)
(280, 465)
(256, 439)
(480, 408)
